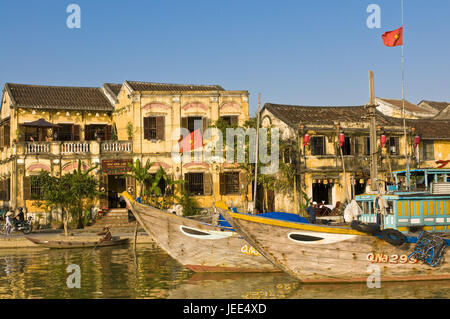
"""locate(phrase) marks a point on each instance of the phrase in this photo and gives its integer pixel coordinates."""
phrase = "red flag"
(393, 38)
(191, 141)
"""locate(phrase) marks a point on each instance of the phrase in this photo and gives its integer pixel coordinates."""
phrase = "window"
(154, 127)
(229, 183)
(195, 183)
(347, 146)
(317, 145)
(150, 128)
(68, 132)
(230, 120)
(394, 146)
(94, 131)
(367, 146)
(5, 134)
(193, 123)
(35, 191)
(428, 150)
(198, 183)
(5, 187)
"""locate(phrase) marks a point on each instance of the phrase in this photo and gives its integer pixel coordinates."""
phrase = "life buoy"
(393, 236)
(368, 228)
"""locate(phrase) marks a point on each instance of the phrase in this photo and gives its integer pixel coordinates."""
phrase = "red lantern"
(416, 141)
(306, 139)
(341, 139)
(383, 140)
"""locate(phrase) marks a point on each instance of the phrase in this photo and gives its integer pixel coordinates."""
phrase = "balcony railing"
(117, 147)
(37, 147)
(75, 148)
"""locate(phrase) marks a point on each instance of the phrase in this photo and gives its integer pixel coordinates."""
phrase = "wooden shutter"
(88, 134)
(205, 123)
(75, 133)
(2, 136)
(108, 132)
(222, 181)
(160, 127)
(26, 188)
(7, 134)
(146, 128)
(243, 189)
(184, 122)
(207, 183)
(8, 189)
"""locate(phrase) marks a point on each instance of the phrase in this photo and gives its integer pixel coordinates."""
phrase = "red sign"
(116, 167)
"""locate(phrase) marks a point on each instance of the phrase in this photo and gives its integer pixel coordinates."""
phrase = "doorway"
(116, 185)
(322, 193)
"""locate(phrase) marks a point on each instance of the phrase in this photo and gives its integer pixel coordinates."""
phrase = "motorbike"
(24, 226)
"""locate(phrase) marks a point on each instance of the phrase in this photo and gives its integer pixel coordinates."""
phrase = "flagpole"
(403, 99)
(256, 155)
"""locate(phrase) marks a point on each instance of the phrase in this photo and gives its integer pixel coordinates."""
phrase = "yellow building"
(433, 149)
(51, 128)
(326, 172)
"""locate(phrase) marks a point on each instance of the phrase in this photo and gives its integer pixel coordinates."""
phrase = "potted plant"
(130, 131)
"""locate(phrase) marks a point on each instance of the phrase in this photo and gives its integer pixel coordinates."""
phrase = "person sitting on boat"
(106, 233)
(311, 211)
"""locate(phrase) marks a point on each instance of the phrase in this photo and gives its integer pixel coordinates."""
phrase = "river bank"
(18, 240)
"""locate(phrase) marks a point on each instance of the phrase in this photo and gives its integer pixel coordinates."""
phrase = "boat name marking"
(391, 259)
(249, 250)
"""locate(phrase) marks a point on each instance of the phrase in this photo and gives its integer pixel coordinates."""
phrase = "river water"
(119, 272)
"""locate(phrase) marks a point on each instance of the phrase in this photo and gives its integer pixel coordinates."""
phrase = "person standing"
(9, 224)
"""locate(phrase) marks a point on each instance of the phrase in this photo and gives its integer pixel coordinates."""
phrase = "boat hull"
(199, 246)
(321, 254)
(60, 244)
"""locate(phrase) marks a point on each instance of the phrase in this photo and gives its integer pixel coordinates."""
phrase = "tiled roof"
(327, 115)
(58, 97)
(295, 115)
(436, 105)
(114, 88)
(411, 107)
(151, 86)
(431, 129)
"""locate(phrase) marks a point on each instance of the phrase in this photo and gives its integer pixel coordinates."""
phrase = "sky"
(292, 52)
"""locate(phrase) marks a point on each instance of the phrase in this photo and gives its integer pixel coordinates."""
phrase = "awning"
(40, 123)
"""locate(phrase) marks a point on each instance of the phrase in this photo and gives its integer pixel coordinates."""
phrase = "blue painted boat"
(426, 206)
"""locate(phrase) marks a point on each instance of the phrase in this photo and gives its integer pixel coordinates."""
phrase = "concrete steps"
(115, 218)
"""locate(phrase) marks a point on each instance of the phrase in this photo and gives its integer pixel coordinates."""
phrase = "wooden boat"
(64, 244)
(198, 246)
(319, 253)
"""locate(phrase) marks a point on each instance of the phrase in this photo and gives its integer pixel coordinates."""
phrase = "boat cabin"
(425, 207)
(420, 179)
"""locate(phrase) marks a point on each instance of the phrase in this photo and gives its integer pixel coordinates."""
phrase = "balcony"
(75, 147)
(37, 147)
(117, 147)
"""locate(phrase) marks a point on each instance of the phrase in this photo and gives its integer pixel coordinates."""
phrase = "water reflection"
(116, 272)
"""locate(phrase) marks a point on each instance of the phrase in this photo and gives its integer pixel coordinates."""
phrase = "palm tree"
(169, 189)
(140, 174)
